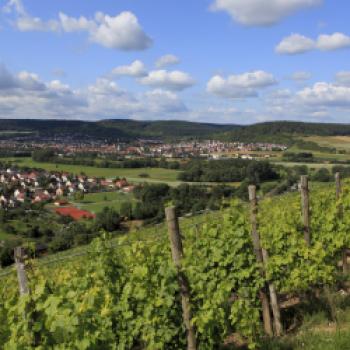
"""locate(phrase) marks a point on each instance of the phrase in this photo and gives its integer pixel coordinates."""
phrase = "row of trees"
(230, 170)
(47, 155)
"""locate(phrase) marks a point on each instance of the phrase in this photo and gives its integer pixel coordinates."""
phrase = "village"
(146, 148)
(40, 186)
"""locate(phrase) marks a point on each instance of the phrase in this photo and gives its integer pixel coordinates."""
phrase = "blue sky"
(226, 61)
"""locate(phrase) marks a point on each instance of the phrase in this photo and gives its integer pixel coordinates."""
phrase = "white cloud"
(325, 94)
(333, 42)
(171, 80)
(25, 95)
(135, 69)
(167, 60)
(14, 5)
(296, 43)
(301, 76)
(161, 101)
(261, 12)
(122, 31)
(7, 80)
(240, 86)
(343, 78)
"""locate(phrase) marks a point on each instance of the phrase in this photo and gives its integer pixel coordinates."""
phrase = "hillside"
(126, 129)
(124, 292)
(111, 129)
(283, 131)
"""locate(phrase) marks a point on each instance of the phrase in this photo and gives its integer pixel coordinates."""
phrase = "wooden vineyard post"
(337, 185)
(338, 194)
(305, 207)
(259, 257)
(177, 255)
(276, 311)
(20, 257)
(19, 254)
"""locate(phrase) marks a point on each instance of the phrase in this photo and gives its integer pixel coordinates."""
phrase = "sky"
(218, 61)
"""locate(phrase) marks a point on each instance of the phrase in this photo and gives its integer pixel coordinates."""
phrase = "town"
(66, 146)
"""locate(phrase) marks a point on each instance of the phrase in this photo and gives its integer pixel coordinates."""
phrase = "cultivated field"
(95, 202)
(338, 142)
(155, 174)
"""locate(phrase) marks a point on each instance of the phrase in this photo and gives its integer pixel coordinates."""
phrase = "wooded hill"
(126, 129)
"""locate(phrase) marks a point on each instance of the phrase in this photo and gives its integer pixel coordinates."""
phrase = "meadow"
(338, 142)
(154, 174)
(95, 202)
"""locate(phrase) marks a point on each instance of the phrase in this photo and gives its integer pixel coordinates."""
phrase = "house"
(128, 189)
(61, 203)
(122, 183)
(19, 195)
(41, 197)
(59, 192)
(75, 213)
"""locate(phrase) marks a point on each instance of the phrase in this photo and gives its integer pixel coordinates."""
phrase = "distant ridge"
(126, 129)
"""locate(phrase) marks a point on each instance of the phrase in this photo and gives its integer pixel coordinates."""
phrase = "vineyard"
(235, 277)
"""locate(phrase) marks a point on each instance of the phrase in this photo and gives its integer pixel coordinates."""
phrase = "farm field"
(338, 142)
(155, 174)
(309, 165)
(5, 236)
(95, 202)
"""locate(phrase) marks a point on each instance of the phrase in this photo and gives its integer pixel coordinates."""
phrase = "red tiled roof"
(75, 213)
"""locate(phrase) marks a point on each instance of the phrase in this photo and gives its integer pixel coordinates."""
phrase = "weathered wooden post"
(276, 311)
(338, 191)
(20, 255)
(305, 207)
(337, 185)
(177, 254)
(259, 257)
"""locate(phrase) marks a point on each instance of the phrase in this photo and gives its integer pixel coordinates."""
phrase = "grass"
(6, 236)
(338, 142)
(309, 165)
(155, 174)
(95, 202)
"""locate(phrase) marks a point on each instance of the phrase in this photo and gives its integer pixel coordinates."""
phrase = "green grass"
(338, 142)
(309, 165)
(155, 174)
(95, 202)
(6, 236)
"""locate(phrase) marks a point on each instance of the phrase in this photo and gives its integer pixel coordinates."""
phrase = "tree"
(126, 210)
(108, 219)
(322, 175)
(43, 155)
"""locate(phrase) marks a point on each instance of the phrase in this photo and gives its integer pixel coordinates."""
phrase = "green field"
(95, 202)
(338, 142)
(309, 165)
(155, 174)
(5, 236)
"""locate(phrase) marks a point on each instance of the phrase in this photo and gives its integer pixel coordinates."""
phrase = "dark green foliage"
(6, 252)
(322, 175)
(298, 157)
(108, 219)
(124, 129)
(126, 210)
(284, 131)
(43, 155)
(231, 170)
